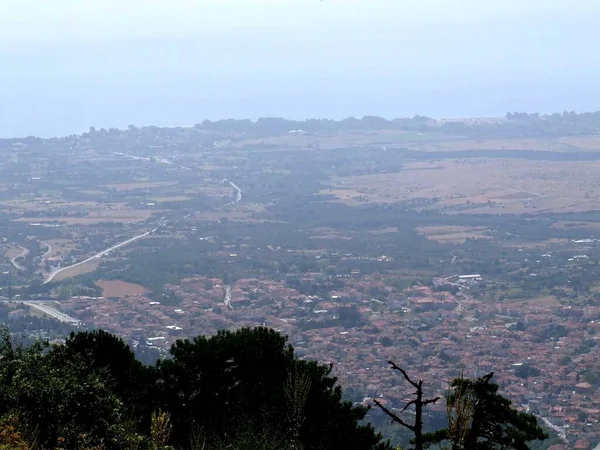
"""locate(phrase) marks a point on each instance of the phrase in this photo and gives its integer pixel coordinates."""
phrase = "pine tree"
(490, 421)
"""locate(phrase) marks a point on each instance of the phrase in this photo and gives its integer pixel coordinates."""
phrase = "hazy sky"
(69, 64)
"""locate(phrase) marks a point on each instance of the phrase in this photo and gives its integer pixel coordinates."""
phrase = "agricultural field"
(118, 288)
(139, 185)
(332, 141)
(78, 270)
(454, 234)
(480, 186)
(562, 144)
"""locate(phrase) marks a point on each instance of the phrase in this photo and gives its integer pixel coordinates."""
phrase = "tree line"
(514, 124)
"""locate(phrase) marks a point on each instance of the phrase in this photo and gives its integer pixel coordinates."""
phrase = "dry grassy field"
(541, 245)
(420, 141)
(453, 234)
(60, 247)
(96, 217)
(385, 230)
(563, 224)
(239, 213)
(45, 204)
(481, 186)
(337, 140)
(567, 144)
(332, 236)
(12, 252)
(140, 185)
(175, 198)
(78, 270)
(117, 288)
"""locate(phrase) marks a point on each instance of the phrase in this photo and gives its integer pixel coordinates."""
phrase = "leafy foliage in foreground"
(237, 390)
(242, 390)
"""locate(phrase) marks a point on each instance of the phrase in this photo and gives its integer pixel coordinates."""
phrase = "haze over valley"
(278, 225)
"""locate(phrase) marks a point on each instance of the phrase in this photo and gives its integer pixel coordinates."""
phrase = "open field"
(480, 186)
(247, 213)
(419, 141)
(329, 233)
(60, 247)
(78, 270)
(178, 198)
(117, 288)
(337, 140)
(12, 252)
(332, 236)
(96, 217)
(385, 230)
(213, 190)
(567, 144)
(583, 142)
(567, 225)
(544, 301)
(140, 185)
(453, 234)
(92, 192)
(541, 244)
(45, 203)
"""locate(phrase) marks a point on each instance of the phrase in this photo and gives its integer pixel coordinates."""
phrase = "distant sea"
(46, 107)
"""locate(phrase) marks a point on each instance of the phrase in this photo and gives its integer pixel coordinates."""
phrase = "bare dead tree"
(418, 401)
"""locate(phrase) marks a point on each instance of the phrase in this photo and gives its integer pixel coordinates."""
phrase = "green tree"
(243, 390)
(349, 316)
(526, 371)
(491, 421)
(59, 397)
(103, 352)
(241, 380)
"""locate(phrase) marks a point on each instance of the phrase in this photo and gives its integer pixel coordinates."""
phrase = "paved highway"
(49, 310)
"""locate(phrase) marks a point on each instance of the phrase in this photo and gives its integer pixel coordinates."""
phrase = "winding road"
(238, 194)
(238, 197)
(97, 255)
(14, 262)
(45, 255)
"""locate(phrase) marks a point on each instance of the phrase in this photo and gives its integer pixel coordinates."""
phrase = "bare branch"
(412, 402)
(394, 417)
(419, 403)
(403, 372)
(487, 377)
(430, 400)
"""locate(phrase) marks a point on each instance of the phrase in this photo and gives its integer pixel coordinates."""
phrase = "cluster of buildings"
(545, 355)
